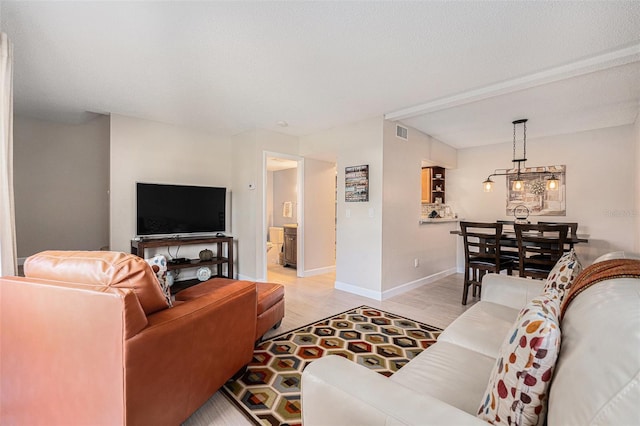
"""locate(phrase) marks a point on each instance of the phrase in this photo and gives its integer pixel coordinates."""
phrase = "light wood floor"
(314, 298)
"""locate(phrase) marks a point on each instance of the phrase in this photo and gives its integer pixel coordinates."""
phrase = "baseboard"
(319, 271)
(245, 278)
(377, 295)
(349, 288)
(418, 283)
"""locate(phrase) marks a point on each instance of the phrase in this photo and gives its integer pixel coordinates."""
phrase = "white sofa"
(596, 381)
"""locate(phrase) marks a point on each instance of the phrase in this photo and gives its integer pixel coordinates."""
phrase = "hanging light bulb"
(552, 183)
(488, 185)
(518, 184)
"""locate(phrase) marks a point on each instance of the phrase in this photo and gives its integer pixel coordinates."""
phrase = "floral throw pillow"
(518, 387)
(562, 276)
(159, 265)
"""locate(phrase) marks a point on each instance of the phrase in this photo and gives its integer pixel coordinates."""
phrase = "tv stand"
(223, 255)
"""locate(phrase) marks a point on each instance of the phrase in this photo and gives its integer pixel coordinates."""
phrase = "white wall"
(285, 189)
(403, 238)
(269, 192)
(636, 212)
(359, 225)
(148, 151)
(245, 203)
(61, 175)
(320, 216)
(598, 194)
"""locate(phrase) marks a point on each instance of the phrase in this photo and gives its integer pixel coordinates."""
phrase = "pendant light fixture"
(518, 184)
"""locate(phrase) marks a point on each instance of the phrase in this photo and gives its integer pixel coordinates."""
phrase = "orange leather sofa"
(270, 300)
(87, 338)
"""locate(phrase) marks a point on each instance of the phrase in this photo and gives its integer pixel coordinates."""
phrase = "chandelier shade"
(552, 183)
(488, 185)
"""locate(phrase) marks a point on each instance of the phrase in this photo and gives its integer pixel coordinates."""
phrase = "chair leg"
(465, 286)
(475, 280)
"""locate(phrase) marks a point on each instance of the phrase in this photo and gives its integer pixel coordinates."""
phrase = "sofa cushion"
(617, 255)
(482, 328)
(597, 378)
(448, 372)
(517, 392)
(107, 268)
(158, 265)
(562, 275)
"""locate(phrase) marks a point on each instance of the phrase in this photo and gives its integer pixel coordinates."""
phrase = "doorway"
(298, 191)
(283, 213)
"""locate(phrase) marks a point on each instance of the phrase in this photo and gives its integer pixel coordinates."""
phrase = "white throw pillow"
(160, 262)
(517, 392)
(562, 276)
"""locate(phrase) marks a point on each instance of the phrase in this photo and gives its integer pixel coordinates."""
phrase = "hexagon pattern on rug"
(269, 391)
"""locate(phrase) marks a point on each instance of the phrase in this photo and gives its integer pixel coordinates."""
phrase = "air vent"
(402, 132)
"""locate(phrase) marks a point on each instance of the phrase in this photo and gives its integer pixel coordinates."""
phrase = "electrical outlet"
(416, 263)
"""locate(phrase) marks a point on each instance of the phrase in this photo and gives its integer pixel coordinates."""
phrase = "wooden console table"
(222, 256)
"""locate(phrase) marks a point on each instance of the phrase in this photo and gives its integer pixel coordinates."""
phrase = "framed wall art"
(536, 197)
(356, 183)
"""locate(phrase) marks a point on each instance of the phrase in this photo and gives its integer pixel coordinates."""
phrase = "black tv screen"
(179, 209)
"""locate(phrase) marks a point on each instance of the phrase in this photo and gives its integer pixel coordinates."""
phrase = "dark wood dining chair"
(539, 246)
(482, 254)
(509, 248)
(573, 231)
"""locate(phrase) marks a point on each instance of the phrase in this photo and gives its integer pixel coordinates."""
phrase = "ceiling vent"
(402, 132)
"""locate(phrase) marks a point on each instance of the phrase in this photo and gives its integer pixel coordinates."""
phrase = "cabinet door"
(426, 185)
(289, 243)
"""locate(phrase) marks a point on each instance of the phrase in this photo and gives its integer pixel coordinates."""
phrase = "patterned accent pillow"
(562, 276)
(518, 386)
(159, 266)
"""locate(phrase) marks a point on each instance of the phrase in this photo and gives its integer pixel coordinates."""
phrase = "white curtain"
(8, 258)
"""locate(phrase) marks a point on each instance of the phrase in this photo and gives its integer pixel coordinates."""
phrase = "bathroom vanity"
(290, 245)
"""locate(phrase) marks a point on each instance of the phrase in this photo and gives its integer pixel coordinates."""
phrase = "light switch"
(371, 212)
(347, 213)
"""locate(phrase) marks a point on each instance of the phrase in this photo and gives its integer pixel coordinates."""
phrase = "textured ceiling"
(227, 67)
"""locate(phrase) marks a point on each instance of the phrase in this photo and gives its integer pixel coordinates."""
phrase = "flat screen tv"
(179, 209)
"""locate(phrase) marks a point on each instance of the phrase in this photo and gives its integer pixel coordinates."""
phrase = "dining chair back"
(509, 248)
(573, 231)
(539, 247)
(482, 254)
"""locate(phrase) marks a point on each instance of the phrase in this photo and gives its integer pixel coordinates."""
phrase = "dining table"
(509, 239)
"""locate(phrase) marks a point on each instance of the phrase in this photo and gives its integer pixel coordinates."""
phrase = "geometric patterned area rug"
(269, 391)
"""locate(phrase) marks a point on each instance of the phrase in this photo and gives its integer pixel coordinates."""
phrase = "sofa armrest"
(511, 291)
(336, 391)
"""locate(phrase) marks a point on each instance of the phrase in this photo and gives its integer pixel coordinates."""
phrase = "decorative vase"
(206, 254)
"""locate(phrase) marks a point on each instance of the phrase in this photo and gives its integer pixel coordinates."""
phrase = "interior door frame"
(299, 210)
